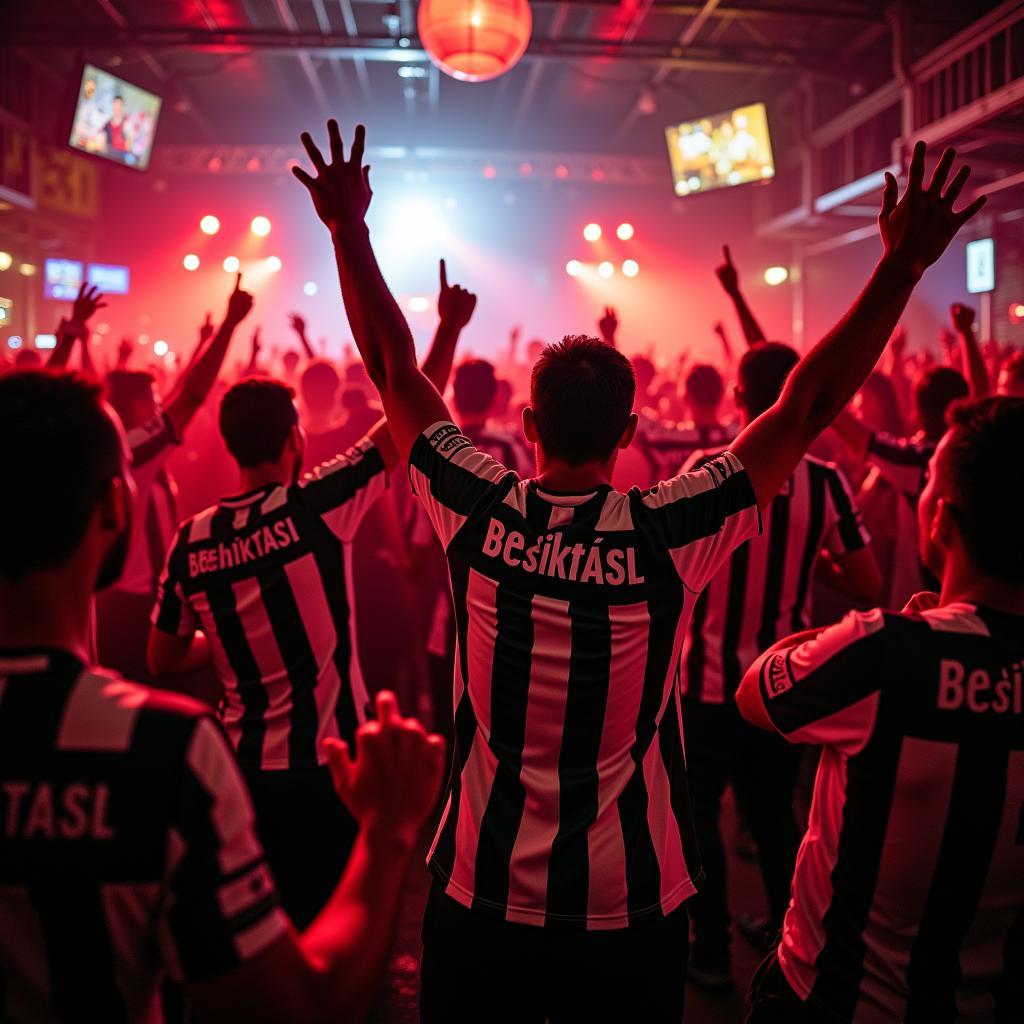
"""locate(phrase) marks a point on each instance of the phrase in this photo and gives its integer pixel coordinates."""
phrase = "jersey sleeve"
(703, 516)
(826, 691)
(222, 905)
(846, 531)
(900, 462)
(151, 444)
(453, 479)
(172, 612)
(342, 490)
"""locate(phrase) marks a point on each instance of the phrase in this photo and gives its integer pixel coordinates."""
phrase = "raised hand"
(962, 317)
(391, 783)
(917, 229)
(239, 303)
(88, 300)
(124, 352)
(455, 304)
(608, 324)
(256, 346)
(206, 330)
(726, 272)
(341, 190)
(297, 323)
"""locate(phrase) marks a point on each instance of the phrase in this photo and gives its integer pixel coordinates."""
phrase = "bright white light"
(573, 268)
(476, 19)
(27, 269)
(419, 304)
(592, 232)
(160, 347)
(625, 232)
(273, 264)
(231, 264)
(260, 226)
(6, 259)
(14, 341)
(693, 182)
(191, 262)
(417, 223)
(309, 288)
(605, 269)
(775, 275)
(630, 268)
(209, 225)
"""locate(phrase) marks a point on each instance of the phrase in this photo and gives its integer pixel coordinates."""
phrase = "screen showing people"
(114, 119)
(721, 150)
(62, 278)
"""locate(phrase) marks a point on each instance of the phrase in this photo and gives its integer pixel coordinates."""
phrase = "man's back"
(908, 898)
(267, 577)
(569, 803)
(127, 849)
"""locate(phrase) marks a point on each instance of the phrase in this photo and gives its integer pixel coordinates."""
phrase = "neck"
(961, 583)
(258, 477)
(561, 476)
(48, 609)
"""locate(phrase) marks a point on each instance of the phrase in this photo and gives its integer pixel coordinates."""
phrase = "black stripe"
(778, 542)
(455, 488)
(739, 570)
(670, 740)
(1009, 989)
(510, 686)
(812, 545)
(299, 660)
(586, 701)
(849, 519)
(79, 950)
(32, 711)
(152, 446)
(696, 655)
(338, 486)
(965, 856)
(154, 538)
(905, 454)
(643, 876)
(870, 782)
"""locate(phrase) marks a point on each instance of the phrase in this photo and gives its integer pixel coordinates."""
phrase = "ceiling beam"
(284, 12)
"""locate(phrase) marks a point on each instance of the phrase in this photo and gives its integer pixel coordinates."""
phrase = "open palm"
(340, 190)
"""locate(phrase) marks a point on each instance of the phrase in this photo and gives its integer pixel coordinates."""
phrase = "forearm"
(748, 322)
(973, 365)
(306, 347)
(88, 367)
(61, 355)
(198, 379)
(437, 364)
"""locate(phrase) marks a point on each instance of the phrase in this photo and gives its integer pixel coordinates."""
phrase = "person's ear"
(529, 425)
(114, 505)
(944, 526)
(628, 434)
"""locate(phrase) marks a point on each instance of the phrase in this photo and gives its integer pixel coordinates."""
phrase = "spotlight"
(630, 268)
(526, 169)
(273, 264)
(27, 269)
(419, 304)
(573, 268)
(775, 275)
(231, 264)
(6, 259)
(490, 171)
(160, 347)
(561, 171)
(592, 232)
(253, 164)
(605, 269)
(214, 164)
(209, 225)
(309, 288)
(260, 226)
(625, 232)
(191, 262)
(14, 341)
(418, 224)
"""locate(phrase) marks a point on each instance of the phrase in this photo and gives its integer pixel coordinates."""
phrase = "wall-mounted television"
(720, 150)
(114, 119)
(62, 278)
(109, 278)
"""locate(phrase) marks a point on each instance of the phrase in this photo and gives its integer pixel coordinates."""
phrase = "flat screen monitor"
(981, 265)
(113, 280)
(61, 279)
(114, 119)
(721, 150)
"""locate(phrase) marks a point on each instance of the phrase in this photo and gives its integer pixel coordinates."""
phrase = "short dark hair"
(762, 375)
(935, 390)
(474, 386)
(256, 416)
(319, 385)
(58, 446)
(127, 386)
(984, 483)
(704, 386)
(582, 392)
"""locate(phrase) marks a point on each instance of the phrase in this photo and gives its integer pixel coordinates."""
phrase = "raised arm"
(198, 379)
(971, 359)
(729, 278)
(341, 194)
(298, 325)
(915, 232)
(608, 325)
(455, 307)
(88, 300)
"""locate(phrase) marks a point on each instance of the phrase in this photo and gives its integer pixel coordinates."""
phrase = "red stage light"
(474, 40)
(490, 172)
(561, 171)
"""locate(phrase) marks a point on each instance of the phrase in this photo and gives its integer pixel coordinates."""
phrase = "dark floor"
(398, 1004)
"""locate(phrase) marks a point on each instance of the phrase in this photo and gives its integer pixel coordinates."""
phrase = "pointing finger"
(727, 255)
(387, 706)
(238, 282)
(444, 276)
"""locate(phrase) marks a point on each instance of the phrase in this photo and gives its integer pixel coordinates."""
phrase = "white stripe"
(241, 518)
(689, 485)
(100, 714)
(251, 941)
(202, 525)
(277, 498)
(958, 617)
(615, 513)
(22, 666)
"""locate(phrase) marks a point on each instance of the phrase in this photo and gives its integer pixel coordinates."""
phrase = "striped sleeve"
(223, 907)
(846, 531)
(152, 443)
(454, 480)
(826, 691)
(703, 516)
(172, 612)
(901, 462)
(342, 491)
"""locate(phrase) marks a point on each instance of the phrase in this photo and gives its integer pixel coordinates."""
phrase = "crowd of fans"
(217, 587)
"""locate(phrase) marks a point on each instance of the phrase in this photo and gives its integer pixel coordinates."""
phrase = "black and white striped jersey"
(267, 576)
(908, 895)
(128, 846)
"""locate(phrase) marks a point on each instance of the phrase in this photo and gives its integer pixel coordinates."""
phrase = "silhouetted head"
(474, 387)
(260, 426)
(935, 390)
(319, 387)
(762, 375)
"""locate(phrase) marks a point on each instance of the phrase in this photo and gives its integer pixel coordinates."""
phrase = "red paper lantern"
(475, 40)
